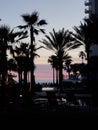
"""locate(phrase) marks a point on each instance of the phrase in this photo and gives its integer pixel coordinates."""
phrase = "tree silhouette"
(86, 35)
(54, 62)
(33, 23)
(7, 36)
(59, 42)
(82, 55)
(68, 61)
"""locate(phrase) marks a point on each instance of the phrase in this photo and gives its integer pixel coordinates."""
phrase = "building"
(91, 7)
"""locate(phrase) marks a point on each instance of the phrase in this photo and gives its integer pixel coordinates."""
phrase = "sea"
(43, 74)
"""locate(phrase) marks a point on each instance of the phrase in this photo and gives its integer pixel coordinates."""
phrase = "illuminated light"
(20, 95)
(47, 89)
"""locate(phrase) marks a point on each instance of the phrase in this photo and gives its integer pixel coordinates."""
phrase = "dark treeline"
(61, 42)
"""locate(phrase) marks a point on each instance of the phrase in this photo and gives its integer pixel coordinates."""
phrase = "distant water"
(43, 74)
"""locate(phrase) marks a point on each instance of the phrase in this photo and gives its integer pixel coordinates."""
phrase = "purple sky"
(58, 14)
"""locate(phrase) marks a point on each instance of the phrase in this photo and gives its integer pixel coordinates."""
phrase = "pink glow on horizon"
(43, 73)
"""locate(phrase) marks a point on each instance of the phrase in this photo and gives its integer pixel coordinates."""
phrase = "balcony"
(88, 3)
(87, 11)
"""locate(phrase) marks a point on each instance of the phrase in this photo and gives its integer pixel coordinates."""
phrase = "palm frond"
(4, 31)
(34, 18)
(22, 26)
(42, 22)
(21, 38)
(42, 30)
(48, 46)
(26, 17)
(39, 47)
(36, 31)
(74, 46)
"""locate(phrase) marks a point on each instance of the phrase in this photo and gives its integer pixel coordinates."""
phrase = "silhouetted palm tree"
(86, 34)
(82, 55)
(21, 55)
(33, 23)
(54, 62)
(59, 42)
(78, 67)
(11, 64)
(6, 36)
(68, 61)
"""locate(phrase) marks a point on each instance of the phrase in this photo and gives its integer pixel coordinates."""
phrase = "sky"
(57, 13)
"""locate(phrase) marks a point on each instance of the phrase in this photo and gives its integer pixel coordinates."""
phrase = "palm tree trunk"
(60, 75)
(82, 60)
(25, 77)
(3, 88)
(4, 73)
(57, 77)
(20, 77)
(32, 61)
(53, 76)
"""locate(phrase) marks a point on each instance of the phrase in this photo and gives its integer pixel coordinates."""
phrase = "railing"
(88, 3)
(87, 11)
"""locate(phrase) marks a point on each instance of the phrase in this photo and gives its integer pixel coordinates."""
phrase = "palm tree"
(59, 42)
(33, 23)
(68, 61)
(6, 36)
(78, 67)
(82, 55)
(86, 34)
(11, 64)
(22, 57)
(19, 62)
(53, 60)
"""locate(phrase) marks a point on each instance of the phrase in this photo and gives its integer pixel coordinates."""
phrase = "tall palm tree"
(6, 36)
(33, 23)
(59, 42)
(22, 57)
(82, 55)
(11, 64)
(19, 58)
